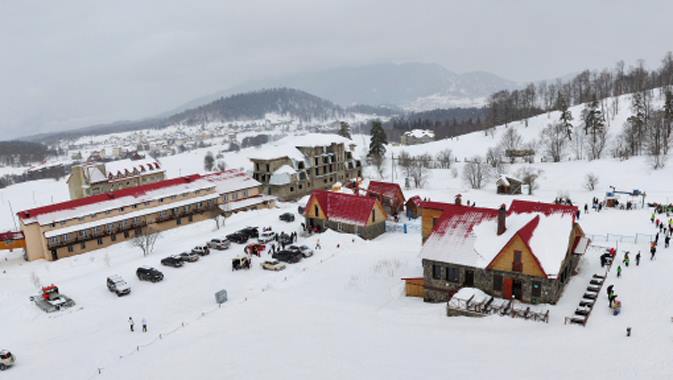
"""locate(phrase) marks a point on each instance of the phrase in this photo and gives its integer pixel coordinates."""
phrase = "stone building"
(348, 213)
(417, 136)
(528, 252)
(302, 164)
(92, 178)
(81, 225)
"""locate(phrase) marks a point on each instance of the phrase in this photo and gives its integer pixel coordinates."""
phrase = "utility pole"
(11, 211)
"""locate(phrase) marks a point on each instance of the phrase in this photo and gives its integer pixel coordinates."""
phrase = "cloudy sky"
(66, 64)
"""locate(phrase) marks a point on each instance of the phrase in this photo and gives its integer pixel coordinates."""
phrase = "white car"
(273, 265)
(266, 237)
(220, 244)
(6, 359)
(304, 249)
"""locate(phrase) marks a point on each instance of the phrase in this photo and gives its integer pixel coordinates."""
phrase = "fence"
(492, 305)
(404, 228)
(637, 238)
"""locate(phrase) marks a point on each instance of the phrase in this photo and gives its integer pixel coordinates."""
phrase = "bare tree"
(554, 140)
(475, 172)
(378, 161)
(405, 161)
(511, 141)
(221, 165)
(420, 174)
(444, 158)
(590, 181)
(657, 140)
(146, 240)
(529, 176)
(208, 161)
(424, 160)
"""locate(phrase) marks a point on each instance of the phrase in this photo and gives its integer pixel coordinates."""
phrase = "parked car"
(266, 237)
(172, 261)
(201, 250)
(287, 256)
(252, 232)
(220, 244)
(273, 265)
(147, 273)
(303, 249)
(6, 359)
(287, 217)
(238, 237)
(189, 257)
(117, 285)
(240, 262)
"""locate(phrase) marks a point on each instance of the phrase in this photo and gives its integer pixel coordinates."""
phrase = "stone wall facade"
(367, 232)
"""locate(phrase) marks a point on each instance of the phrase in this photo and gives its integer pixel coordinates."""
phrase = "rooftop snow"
(420, 133)
(287, 147)
(282, 175)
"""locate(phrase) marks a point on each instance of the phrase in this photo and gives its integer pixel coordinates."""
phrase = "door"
(517, 289)
(507, 288)
(469, 278)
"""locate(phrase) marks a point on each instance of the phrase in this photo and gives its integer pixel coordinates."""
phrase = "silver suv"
(220, 244)
(117, 285)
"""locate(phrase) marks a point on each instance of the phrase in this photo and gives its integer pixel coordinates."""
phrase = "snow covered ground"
(342, 313)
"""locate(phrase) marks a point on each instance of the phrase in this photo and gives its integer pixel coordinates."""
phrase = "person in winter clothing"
(656, 239)
(131, 324)
(638, 258)
(619, 271)
(317, 245)
(667, 241)
(144, 321)
(612, 298)
(626, 261)
(586, 208)
(653, 251)
(652, 217)
(609, 289)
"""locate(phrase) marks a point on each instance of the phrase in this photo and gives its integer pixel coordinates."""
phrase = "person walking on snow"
(656, 239)
(317, 245)
(626, 259)
(667, 241)
(653, 250)
(131, 323)
(619, 271)
(144, 321)
(652, 217)
(638, 258)
(609, 290)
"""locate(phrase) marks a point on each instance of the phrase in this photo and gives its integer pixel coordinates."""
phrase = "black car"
(149, 274)
(287, 256)
(287, 217)
(172, 261)
(238, 237)
(252, 232)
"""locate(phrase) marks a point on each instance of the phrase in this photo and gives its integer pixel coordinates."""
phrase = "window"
(373, 215)
(126, 234)
(113, 237)
(291, 189)
(99, 241)
(179, 221)
(497, 282)
(452, 274)
(138, 232)
(436, 271)
(82, 245)
(316, 211)
(190, 218)
(268, 168)
(245, 193)
(536, 290)
(53, 240)
(121, 209)
(71, 248)
(517, 264)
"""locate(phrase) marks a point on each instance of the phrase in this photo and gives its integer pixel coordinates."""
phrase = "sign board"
(221, 296)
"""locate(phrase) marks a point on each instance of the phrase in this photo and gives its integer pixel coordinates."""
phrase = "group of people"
(132, 324)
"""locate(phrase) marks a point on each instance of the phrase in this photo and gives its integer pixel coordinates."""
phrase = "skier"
(653, 250)
(638, 259)
(144, 322)
(619, 271)
(131, 323)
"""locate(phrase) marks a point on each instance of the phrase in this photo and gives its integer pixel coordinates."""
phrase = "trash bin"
(221, 296)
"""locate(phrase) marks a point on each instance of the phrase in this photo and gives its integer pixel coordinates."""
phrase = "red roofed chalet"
(348, 213)
(389, 194)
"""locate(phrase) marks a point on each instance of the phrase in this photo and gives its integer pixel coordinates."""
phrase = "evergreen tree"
(636, 123)
(566, 117)
(378, 141)
(208, 161)
(594, 126)
(345, 130)
(668, 117)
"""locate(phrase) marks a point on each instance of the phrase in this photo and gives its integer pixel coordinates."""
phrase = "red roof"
(132, 191)
(386, 189)
(520, 207)
(415, 200)
(343, 207)
(458, 215)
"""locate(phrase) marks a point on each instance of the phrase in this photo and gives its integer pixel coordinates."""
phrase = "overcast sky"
(66, 64)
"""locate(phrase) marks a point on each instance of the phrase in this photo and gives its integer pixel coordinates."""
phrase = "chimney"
(502, 216)
(459, 199)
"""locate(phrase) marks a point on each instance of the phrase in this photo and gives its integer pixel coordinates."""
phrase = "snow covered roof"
(287, 147)
(468, 235)
(282, 176)
(420, 133)
(127, 166)
(343, 207)
(108, 201)
(231, 180)
(386, 189)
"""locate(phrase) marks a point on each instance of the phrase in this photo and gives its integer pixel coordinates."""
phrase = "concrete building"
(92, 178)
(354, 214)
(81, 225)
(313, 161)
(528, 252)
(417, 136)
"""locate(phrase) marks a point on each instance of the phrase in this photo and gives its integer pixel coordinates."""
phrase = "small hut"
(508, 185)
(413, 207)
